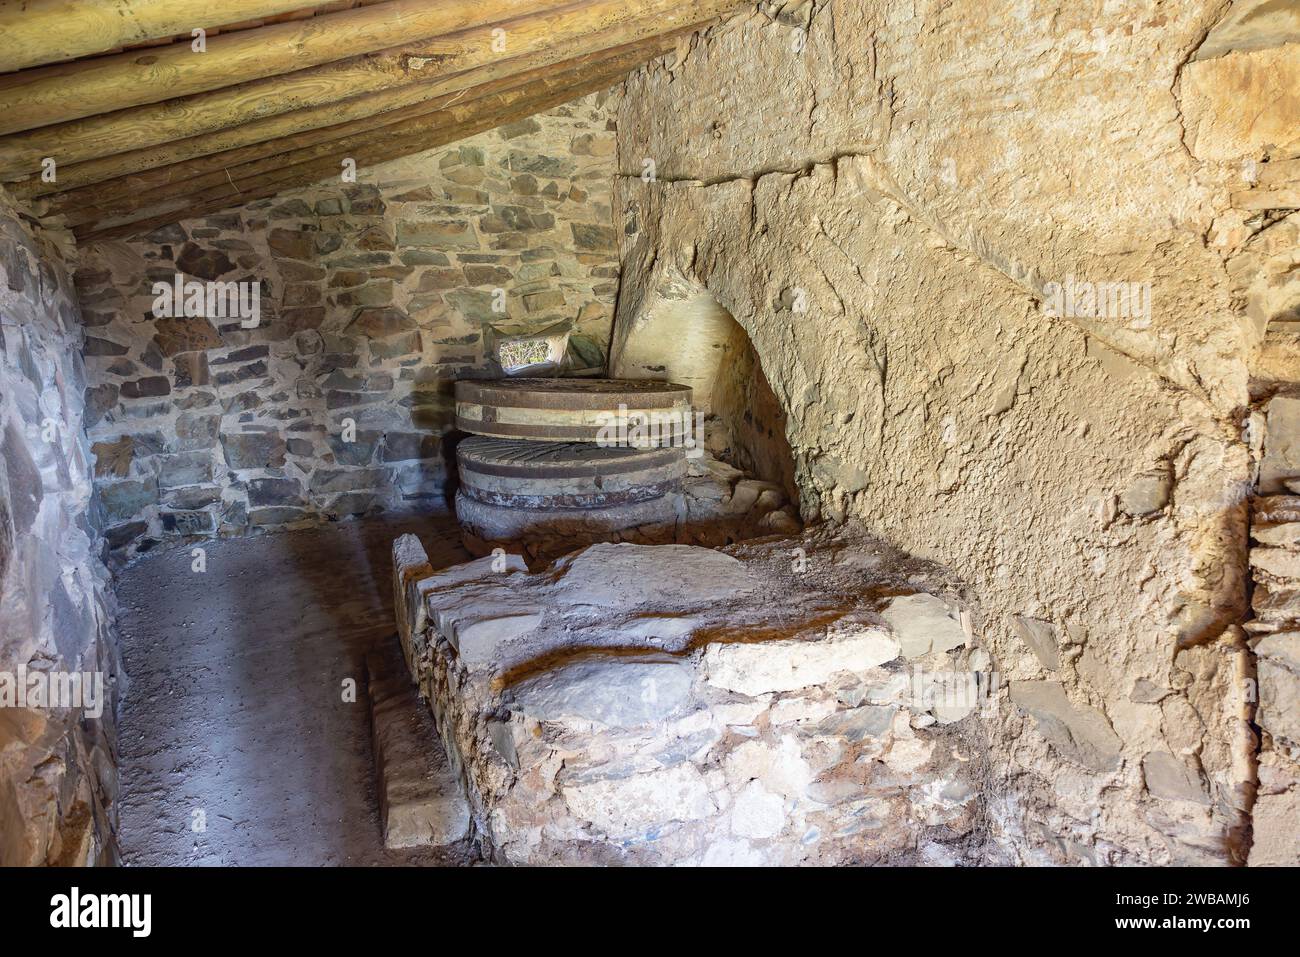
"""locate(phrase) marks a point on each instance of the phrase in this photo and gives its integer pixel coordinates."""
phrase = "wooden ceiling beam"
(402, 139)
(613, 21)
(68, 91)
(36, 32)
(144, 169)
(116, 197)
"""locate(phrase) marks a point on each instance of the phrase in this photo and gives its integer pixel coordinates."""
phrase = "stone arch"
(680, 332)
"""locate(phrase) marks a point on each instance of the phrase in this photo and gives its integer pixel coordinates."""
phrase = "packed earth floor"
(239, 741)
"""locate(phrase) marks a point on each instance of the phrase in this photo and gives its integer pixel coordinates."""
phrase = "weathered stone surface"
(148, 387)
(922, 624)
(1003, 449)
(185, 334)
(1282, 647)
(1040, 638)
(1276, 839)
(631, 807)
(1279, 700)
(421, 801)
(404, 446)
(767, 666)
(253, 450)
(196, 431)
(1147, 494)
(593, 237)
(203, 263)
(1079, 732)
(114, 458)
(185, 468)
(58, 780)
(1172, 779)
(661, 731)
(275, 491)
(291, 244)
(624, 574)
(381, 323)
(125, 500)
(447, 234)
(478, 638)
(622, 693)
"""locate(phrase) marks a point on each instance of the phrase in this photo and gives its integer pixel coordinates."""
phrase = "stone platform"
(762, 704)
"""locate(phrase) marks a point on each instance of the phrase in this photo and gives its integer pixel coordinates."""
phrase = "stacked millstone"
(539, 469)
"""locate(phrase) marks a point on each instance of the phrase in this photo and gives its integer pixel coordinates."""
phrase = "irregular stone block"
(175, 335)
(410, 565)
(764, 667)
(421, 800)
(619, 691)
(1040, 638)
(26, 490)
(275, 491)
(477, 639)
(1279, 562)
(253, 450)
(1170, 778)
(1279, 700)
(381, 323)
(1283, 647)
(623, 574)
(630, 807)
(923, 624)
(202, 263)
(113, 458)
(185, 468)
(127, 500)
(1080, 732)
(1276, 840)
(445, 234)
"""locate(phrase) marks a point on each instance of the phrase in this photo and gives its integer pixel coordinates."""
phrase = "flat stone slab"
(624, 574)
(421, 800)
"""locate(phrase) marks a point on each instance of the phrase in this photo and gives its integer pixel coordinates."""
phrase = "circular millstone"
(576, 410)
(515, 473)
(493, 523)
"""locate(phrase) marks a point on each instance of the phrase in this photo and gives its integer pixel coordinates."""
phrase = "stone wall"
(374, 298)
(1275, 552)
(58, 779)
(638, 704)
(881, 195)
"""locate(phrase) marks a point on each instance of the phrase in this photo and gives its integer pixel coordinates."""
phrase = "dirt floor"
(237, 743)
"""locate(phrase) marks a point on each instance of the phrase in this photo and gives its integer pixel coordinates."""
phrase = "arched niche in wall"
(681, 333)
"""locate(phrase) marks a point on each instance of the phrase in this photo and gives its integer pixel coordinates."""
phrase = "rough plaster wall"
(375, 300)
(58, 777)
(880, 200)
